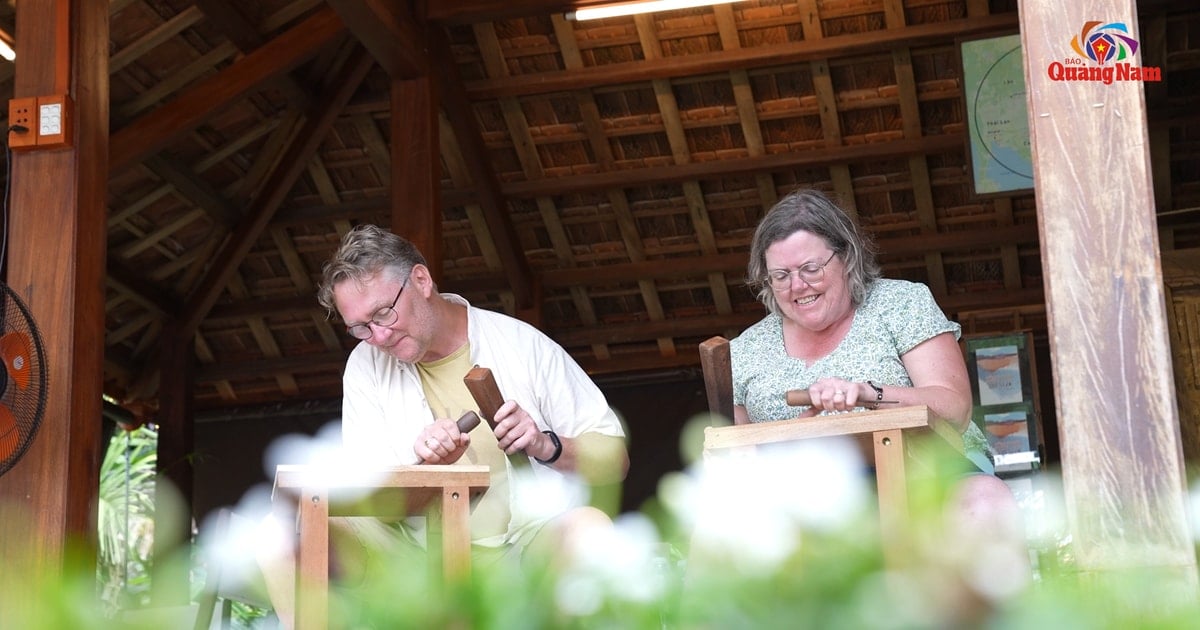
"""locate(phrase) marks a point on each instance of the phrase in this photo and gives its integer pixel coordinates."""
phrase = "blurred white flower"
(752, 509)
(541, 497)
(320, 460)
(627, 559)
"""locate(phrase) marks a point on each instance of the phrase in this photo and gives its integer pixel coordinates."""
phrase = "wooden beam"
(668, 269)
(275, 190)
(156, 130)
(476, 11)
(55, 258)
(229, 20)
(1123, 478)
(937, 33)
(629, 178)
(392, 37)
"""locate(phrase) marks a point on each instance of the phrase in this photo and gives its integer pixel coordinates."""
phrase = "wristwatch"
(878, 395)
(557, 449)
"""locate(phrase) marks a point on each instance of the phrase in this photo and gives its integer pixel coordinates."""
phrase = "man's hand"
(516, 432)
(441, 442)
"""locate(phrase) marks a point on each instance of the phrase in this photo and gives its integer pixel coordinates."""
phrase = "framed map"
(996, 112)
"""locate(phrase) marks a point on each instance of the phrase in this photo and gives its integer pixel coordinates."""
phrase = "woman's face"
(821, 301)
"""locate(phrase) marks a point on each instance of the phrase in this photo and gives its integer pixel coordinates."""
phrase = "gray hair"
(366, 251)
(811, 211)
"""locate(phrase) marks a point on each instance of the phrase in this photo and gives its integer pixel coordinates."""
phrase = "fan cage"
(26, 404)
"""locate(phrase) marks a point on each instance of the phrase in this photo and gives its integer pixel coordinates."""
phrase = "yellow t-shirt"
(449, 397)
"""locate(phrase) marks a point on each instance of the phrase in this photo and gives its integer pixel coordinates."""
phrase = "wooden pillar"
(56, 255)
(1122, 471)
(173, 491)
(417, 168)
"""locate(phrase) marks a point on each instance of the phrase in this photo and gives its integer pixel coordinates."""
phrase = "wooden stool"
(391, 493)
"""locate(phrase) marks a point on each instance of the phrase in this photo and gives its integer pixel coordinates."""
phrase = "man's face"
(387, 312)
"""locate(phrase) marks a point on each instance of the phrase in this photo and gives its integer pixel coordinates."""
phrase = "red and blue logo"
(1110, 42)
(1111, 51)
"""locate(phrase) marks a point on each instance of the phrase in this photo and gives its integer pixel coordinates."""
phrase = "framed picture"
(1004, 391)
(996, 109)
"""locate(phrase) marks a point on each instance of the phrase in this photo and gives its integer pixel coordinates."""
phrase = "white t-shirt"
(384, 407)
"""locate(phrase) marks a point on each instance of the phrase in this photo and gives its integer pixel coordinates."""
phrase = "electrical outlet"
(54, 117)
(22, 112)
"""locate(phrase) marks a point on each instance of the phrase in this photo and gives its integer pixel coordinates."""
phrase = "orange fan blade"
(14, 348)
(10, 436)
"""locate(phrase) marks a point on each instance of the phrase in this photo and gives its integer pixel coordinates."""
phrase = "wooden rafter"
(291, 166)
(154, 131)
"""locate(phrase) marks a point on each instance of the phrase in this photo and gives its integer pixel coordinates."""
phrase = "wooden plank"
(1123, 478)
(718, 376)
(757, 433)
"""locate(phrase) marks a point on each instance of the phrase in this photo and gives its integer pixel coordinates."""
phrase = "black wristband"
(557, 449)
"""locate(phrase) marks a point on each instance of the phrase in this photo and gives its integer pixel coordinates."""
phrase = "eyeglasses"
(811, 274)
(382, 318)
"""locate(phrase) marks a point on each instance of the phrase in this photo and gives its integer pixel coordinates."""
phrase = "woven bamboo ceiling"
(601, 179)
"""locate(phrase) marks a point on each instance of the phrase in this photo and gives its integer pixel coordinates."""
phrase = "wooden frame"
(1005, 399)
(995, 111)
(389, 493)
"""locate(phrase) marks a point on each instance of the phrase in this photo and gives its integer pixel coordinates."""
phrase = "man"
(403, 389)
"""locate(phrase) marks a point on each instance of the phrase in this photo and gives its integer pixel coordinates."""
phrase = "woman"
(853, 338)
(838, 329)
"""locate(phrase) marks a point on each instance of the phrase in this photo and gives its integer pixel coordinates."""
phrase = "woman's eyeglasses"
(382, 318)
(811, 274)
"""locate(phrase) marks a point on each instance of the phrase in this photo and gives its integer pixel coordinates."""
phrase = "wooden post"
(1122, 471)
(416, 168)
(56, 260)
(176, 443)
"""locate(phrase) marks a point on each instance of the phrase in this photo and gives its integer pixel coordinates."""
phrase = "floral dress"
(895, 317)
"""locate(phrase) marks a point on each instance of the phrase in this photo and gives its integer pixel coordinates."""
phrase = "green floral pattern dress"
(894, 318)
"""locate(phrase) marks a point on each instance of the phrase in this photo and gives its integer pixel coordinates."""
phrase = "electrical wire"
(7, 191)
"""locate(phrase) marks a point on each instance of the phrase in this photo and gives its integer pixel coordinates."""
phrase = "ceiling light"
(633, 8)
(6, 46)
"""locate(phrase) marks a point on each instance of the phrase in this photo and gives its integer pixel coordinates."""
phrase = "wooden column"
(417, 168)
(176, 446)
(1122, 470)
(56, 257)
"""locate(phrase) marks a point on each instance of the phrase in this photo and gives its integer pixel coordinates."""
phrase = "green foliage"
(125, 516)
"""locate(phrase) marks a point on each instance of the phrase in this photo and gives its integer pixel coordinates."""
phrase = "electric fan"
(22, 381)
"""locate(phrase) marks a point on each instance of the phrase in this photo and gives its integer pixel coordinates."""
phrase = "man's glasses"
(382, 318)
(811, 274)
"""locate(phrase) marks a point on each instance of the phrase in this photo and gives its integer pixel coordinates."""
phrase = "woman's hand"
(835, 394)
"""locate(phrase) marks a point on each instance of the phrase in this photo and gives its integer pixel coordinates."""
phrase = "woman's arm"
(939, 377)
